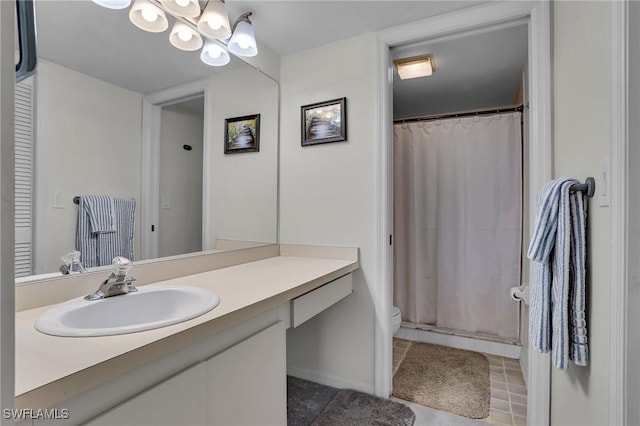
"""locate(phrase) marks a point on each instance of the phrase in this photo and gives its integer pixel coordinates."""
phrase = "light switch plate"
(58, 200)
(602, 183)
(166, 201)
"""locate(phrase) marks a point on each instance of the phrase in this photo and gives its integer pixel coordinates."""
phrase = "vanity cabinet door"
(179, 400)
(247, 383)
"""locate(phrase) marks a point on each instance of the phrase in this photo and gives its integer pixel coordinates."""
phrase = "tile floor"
(508, 392)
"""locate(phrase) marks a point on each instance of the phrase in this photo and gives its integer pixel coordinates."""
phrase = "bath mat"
(306, 400)
(443, 378)
(351, 408)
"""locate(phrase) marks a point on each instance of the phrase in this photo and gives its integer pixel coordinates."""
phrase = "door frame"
(537, 14)
(150, 175)
(620, 395)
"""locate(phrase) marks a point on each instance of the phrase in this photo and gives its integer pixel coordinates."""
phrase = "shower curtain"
(458, 222)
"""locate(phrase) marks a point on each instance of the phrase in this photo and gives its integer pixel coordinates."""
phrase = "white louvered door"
(24, 176)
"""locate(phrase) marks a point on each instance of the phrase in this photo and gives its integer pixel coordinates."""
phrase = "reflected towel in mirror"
(99, 248)
(101, 212)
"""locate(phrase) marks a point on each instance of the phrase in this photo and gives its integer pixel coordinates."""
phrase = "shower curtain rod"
(482, 111)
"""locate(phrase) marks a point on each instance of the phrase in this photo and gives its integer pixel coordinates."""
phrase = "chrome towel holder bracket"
(588, 187)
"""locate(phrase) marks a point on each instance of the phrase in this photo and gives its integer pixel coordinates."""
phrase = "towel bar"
(588, 187)
(76, 200)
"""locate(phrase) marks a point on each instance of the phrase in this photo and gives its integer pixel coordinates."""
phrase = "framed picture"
(324, 122)
(242, 134)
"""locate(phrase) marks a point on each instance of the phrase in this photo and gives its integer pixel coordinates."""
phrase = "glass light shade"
(214, 22)
(185, 38)
(214, 55)
(243, 40)
(148, 17)
(186, 8)
(419, 66)
(113, 4)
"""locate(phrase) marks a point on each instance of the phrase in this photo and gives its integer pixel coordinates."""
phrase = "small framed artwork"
(324, 122)
(242, 134)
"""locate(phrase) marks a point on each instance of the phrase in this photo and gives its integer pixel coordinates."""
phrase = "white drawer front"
(311, 304)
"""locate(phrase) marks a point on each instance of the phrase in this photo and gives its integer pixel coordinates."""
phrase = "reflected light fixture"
(415, 66)
(184, 37)
(243, 40)
(114, 4)
(210, 31)
(148, 17)
(214, 22)
(186, 8)
(214, 54)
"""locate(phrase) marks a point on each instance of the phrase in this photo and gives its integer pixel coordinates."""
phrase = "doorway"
(153, 106)
(458, 207)
(540, 155)
(458, 186)
(181, 156)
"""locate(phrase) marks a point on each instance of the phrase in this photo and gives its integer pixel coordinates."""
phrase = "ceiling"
(104, 44)
(474, 71)
(471, 72)
(290, 26)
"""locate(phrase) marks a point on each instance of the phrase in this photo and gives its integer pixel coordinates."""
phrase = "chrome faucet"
(117, 283)
(72, 264)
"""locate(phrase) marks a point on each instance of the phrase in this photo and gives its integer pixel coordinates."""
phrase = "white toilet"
(396, 319)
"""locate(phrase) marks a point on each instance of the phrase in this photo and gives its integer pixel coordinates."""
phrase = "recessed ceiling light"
(416, 66)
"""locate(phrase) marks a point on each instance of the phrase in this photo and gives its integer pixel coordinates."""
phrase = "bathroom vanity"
(227, 366)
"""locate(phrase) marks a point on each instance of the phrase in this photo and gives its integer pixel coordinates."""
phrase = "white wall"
(180, 226)
(581, 99)
(243, 186)
(88, 139)
(327, 196)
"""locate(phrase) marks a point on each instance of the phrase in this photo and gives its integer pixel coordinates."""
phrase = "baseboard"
(329, 380)
(460, 342)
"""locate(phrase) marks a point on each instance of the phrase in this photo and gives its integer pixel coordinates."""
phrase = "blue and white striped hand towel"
(102, 213)
(121, 242)
(99, 248)
(557, 311)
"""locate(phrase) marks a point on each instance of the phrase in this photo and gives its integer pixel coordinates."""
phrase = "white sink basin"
(145, 309)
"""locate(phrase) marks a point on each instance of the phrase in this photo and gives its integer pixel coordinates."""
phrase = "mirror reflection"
(118, 113)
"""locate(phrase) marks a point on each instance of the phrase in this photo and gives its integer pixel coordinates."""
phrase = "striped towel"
(557, 311)
(99, 249)
(101, 212)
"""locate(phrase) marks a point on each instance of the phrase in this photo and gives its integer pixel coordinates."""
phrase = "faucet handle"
(71, 263)
(121, 266)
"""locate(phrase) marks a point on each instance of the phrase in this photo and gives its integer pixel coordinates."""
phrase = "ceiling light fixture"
(210, 31)
(243, 40)
(415, 66)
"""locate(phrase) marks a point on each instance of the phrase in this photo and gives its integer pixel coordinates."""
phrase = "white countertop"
(244, 290)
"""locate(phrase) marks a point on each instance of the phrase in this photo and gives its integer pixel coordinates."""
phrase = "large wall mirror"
(119, 112)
